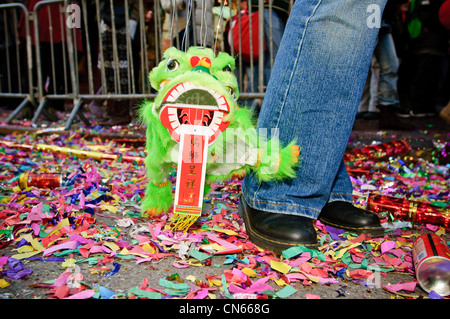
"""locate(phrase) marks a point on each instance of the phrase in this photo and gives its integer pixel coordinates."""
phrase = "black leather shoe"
(277, 232)
(344, 215)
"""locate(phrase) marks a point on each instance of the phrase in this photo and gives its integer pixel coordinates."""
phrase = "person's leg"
(424, 85)
(374, 84)
(363, 106)
(389, 64)
(387, 90)
(313, 96)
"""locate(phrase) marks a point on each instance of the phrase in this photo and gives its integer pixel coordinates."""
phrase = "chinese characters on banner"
(191, 175)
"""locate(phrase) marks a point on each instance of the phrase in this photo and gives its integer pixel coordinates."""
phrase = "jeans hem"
(340, 197)
(281, 208)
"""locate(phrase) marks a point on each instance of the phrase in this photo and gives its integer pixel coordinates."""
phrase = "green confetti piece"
(174, 288)
(297, 250)
(286, 292)
(199, 255)
(225, 288)
(144, 294)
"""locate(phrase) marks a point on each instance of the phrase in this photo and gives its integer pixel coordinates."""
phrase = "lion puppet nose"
(200, 64)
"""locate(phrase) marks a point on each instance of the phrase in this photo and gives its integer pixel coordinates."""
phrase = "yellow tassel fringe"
(182, 222)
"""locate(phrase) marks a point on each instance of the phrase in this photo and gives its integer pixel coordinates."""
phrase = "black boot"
(277, 232)
(390, 121)
(344, 215)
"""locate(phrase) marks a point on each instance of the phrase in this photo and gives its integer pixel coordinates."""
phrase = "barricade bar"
(85, 51)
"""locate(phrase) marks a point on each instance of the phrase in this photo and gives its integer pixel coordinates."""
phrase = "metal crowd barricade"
(16, 80)
(136, 55)
(116, 44)
(87, 20)
(61, 45)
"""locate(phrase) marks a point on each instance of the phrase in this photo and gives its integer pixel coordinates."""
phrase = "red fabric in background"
(444, 14)
(57, 15)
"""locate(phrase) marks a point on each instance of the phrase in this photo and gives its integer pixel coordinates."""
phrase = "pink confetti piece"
(221, 242)
(387, 246)
(407, 286)
(66, 245)
(432, 227)
(85, 294)
(296, 276)
(299, 261)
(202, 294)
(62, 279)
(181, 265)
(36, 229)
(3, 260)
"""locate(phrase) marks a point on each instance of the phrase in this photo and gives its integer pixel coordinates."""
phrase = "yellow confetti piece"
(215, 282)
(191, 278)
(85, 235)
(280, 282)
(3, 283)
(62, 224)
(127, 252)
(109, 208)
(280, 266)
(25, 255)
(229, 232)
(194, 262)
(403, 244)
(124, 251)
(36, 244)
(69, 262)
(440, 231)
(313, 278)
(111, 245)
(25, 249)
(249, 272)
(27, 237)
(344, 250)
(148, 248)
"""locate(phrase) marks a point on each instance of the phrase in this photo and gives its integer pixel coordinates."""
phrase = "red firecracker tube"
(407, 210)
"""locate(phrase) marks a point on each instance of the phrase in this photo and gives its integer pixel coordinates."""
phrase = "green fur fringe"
(160, 200)
(276, 165)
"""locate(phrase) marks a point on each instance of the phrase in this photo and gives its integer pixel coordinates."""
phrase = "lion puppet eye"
(172, 65)
(227, 68)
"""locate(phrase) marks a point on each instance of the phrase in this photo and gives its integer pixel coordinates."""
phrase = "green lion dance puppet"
(195, 122)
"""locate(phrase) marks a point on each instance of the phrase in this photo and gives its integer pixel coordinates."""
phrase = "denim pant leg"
(312, 96)
(389, 64)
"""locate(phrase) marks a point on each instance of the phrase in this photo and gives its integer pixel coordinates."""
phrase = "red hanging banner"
(190, 185)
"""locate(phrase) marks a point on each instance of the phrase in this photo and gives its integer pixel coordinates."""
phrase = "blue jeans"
(387, 58)
(313, 96)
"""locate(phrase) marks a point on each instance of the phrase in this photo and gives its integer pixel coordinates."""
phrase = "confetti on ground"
(89, 231)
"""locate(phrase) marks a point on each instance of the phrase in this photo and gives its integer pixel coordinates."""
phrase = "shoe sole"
(419, 115)
(262, 241)
(423, 115)
(375, 231)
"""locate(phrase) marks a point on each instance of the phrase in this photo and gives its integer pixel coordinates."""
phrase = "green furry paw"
(158, 199)
(276, 166)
